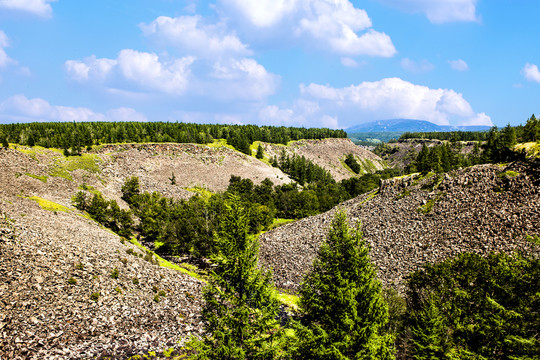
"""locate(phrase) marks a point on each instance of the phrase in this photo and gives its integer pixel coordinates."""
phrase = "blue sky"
(322, 63)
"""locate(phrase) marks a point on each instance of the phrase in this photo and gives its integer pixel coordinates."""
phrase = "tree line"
(497, 146)
(183, 227)
(524, 133)
(76, 136)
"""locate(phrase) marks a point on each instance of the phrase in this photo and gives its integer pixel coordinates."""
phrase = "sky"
(310, 63)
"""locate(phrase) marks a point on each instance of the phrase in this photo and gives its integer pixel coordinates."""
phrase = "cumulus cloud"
(41, 8)
(241, 79)
(417, 67)
(134, 72)
(440, 11)
(19, 108)
(458, 65)
(144, 71)
(192, 35)
(531, 73)
(325, 24)
(393, 98)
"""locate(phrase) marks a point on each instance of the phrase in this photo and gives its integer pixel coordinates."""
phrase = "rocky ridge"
(409, 222)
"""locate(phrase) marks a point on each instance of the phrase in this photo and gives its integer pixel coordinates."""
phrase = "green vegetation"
(42, 178)
(342, 308)
(73, 137)
(300, 169)
(64, 165)
(72, 281)
(351, 162)
(240, 309)
(472, 307)
(48, 205)
(114, 273)
(95, 296)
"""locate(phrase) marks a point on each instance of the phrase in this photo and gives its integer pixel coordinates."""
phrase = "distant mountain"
(404, 125)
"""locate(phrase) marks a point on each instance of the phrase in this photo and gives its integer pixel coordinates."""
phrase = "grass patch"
(64, 165)
(368, 165)
(288, 300)
(205, 193)
(165, 263)
(42, 178)
(217, 143)
(48, 205)
(509, 173)
(532, 149)
(280, 222)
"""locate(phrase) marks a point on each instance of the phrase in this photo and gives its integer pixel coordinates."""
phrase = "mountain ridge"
(409, 125)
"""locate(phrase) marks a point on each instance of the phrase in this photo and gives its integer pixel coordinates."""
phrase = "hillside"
(73, 289)
(410, 221)
(329, 154)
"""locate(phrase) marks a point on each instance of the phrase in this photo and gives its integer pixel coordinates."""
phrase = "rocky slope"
(402, 153)
(71, 289)
(408, 222)
(329, 154)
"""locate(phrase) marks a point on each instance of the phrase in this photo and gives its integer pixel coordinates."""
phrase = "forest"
(73, 137)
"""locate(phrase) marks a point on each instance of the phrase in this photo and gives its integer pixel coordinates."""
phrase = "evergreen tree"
(531, 131)
(240, 309)
(428, 333)
(342, 308)
(260, 152)
(5, 142)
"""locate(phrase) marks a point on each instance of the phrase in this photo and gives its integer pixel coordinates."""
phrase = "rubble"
(479, 209)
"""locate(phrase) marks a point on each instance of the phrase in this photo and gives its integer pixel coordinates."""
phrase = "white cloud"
(458, 65)
(531, 73)
(241, 79)
(439, 11)
(334, 25)
(134, 69)
(417, 67)
(134, 73)
(192, 35)
(19, 108)
(91, 67)
(40, 8)
(393, 98)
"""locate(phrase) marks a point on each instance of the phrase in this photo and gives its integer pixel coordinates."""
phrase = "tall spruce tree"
(240, 309)
(342, 309)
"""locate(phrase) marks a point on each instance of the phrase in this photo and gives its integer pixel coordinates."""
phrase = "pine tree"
(260, 152)
(428, 333)
(240, 308)
(5, 142)
(342, 308)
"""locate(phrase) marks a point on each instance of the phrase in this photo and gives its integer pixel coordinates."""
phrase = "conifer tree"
(342, 308)
(260, 152)
(240, 307)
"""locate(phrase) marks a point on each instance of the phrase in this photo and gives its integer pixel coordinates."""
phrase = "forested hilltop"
(72, 137)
